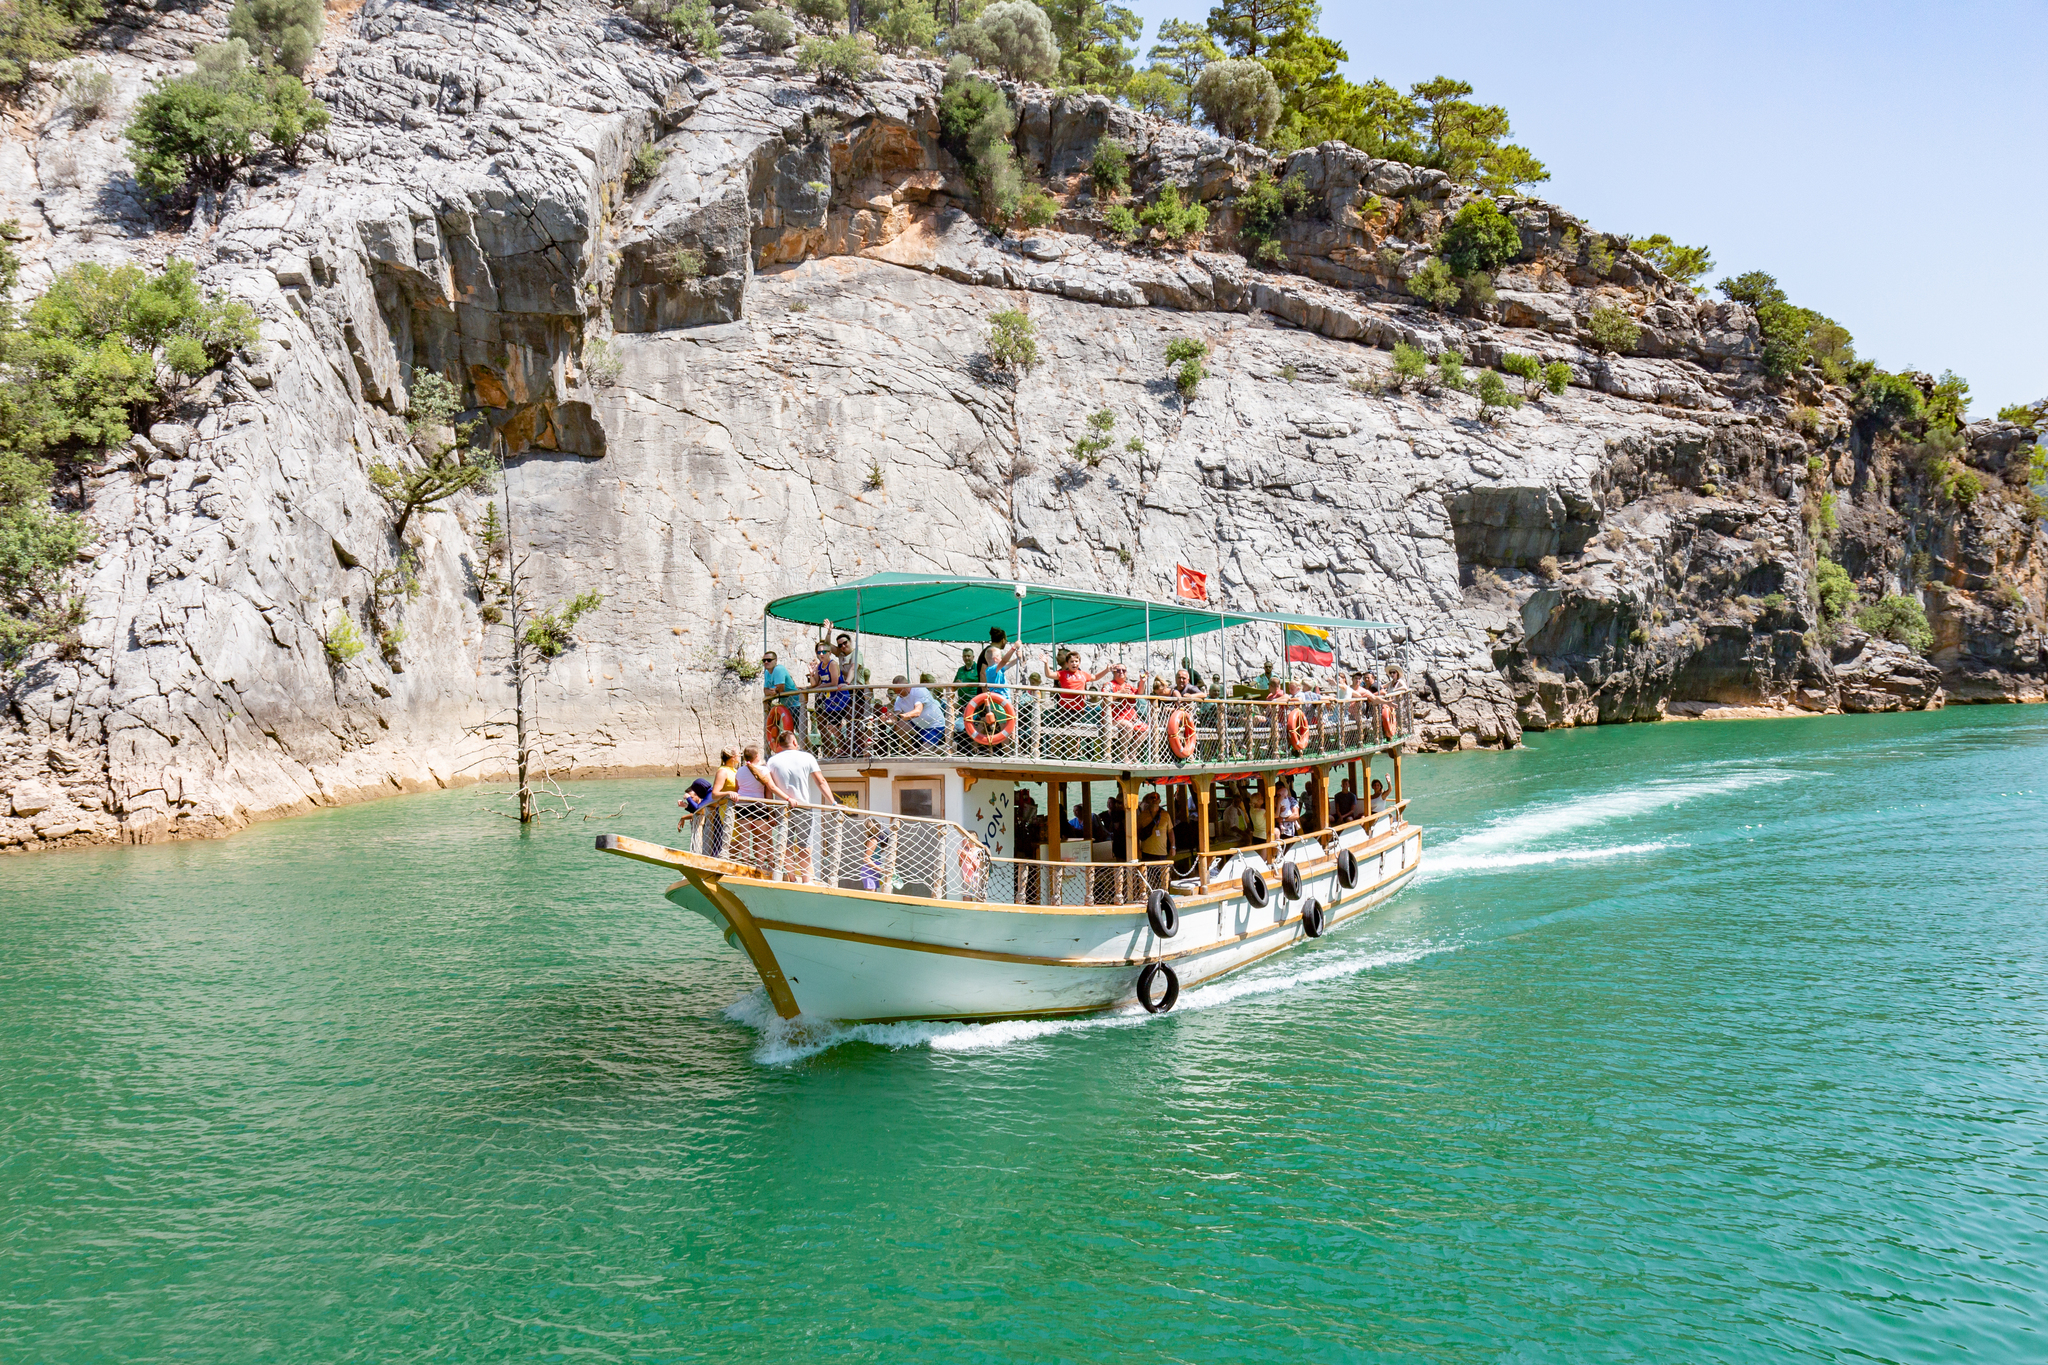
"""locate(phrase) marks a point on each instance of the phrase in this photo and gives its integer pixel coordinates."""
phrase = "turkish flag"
(1188, 585)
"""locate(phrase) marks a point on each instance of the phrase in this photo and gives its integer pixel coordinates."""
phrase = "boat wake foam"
(1507, 842)
(1450, 862)
(784, 1041)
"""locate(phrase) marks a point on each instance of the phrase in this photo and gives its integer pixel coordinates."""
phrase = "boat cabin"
(1080, 779)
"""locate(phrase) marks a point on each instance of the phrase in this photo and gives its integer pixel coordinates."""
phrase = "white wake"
(784, 1041)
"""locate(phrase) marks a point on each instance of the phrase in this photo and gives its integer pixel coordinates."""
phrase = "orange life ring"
(781, 720)
(1297, 730)
(1387, 721)
(978, 708)
(1180, 734)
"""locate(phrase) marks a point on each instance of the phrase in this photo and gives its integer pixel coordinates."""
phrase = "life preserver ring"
(1254, 887)
(1347, 868)
(1180, 734)
(1162, 914)
(1166, 998)
(1297, 729)
(1290, 880)
(1312, 922)
(973, 867)
(781, 721)
(977, 711)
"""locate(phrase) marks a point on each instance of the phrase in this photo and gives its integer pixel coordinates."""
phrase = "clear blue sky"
(1887, 162)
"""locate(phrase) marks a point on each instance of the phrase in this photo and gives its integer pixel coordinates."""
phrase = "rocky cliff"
(766, 370)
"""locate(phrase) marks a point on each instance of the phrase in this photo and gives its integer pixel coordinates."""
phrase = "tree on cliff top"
(1239, 97)
(1015, 37)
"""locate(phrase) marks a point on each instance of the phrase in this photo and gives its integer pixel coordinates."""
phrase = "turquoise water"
(1719, 1041)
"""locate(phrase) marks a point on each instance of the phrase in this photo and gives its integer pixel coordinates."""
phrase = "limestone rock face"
(765, 369)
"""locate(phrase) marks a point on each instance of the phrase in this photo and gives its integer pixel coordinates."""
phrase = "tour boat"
(907, 898)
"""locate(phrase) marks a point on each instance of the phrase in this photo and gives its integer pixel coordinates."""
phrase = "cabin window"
(916, 797)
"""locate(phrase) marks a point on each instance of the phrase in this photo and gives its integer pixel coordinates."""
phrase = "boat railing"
(848, 849)
(1064, 727)
(843, 847)
(1038, 881)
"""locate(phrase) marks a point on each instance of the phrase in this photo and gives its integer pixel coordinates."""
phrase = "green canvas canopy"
(948, 609)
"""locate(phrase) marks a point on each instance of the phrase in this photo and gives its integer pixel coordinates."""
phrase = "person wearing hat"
(1127, 729)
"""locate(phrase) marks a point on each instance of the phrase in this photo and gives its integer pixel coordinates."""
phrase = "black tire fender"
(1162, 914)
(1347, 869)
(1312, 922)
(1166, 999)
(1290, 880)
(1254, 888)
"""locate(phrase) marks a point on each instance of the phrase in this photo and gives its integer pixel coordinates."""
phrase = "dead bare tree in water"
(536, 639)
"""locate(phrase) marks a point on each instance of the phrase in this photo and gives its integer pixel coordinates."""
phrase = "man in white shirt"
(918, 717)
(798, 774)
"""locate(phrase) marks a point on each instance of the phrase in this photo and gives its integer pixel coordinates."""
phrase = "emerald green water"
(1719, 1041)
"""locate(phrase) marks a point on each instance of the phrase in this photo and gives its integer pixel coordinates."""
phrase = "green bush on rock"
(1480, 239)
(198, 131)
(1900, 619)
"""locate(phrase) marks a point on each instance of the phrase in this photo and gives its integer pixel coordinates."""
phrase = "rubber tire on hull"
(1312, 922)
(1165, 1001)
(1290, 880)
(1347, 869)
(1254, 888)
(1162, 914)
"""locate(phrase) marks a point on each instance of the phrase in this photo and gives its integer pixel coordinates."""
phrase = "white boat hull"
(855, 956)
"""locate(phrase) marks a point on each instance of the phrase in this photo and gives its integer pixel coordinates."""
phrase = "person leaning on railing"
(916, 714)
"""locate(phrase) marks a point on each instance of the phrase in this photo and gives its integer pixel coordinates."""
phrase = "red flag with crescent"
(1190, 586)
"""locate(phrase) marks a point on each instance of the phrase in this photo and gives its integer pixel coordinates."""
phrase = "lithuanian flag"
(1309, 645)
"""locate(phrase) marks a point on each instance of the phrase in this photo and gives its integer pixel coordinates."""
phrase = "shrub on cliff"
(1434, 284)
(1901, 619)
(1450, 372)
(775, 28)
(1834, 592)
(199, 130)
(686, 23)
(1480, 238)
(1494, 397)
(1557, 377)
(974, 125)
(1172, 219)
(909, 26)
(838, 61)
(281, 32)
(1184, 357)
(76, 371)
(1015, 37)
(87, 357)
(1263, 210)
(39, 31)
(1684, 264)
(826, 12)
(1411, 364)
(1886, 400)
(1612, 330)
(1109, 168)
(1239, 98)
(1012, 342)
(1526, 368)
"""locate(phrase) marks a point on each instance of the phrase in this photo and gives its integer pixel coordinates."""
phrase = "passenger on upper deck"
(916, 713)
(831, 671)
(1071, 682)
(1186, 684)
(1128, 729)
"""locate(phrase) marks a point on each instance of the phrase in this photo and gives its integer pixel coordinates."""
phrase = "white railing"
(1017, 724)
(908, 855)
